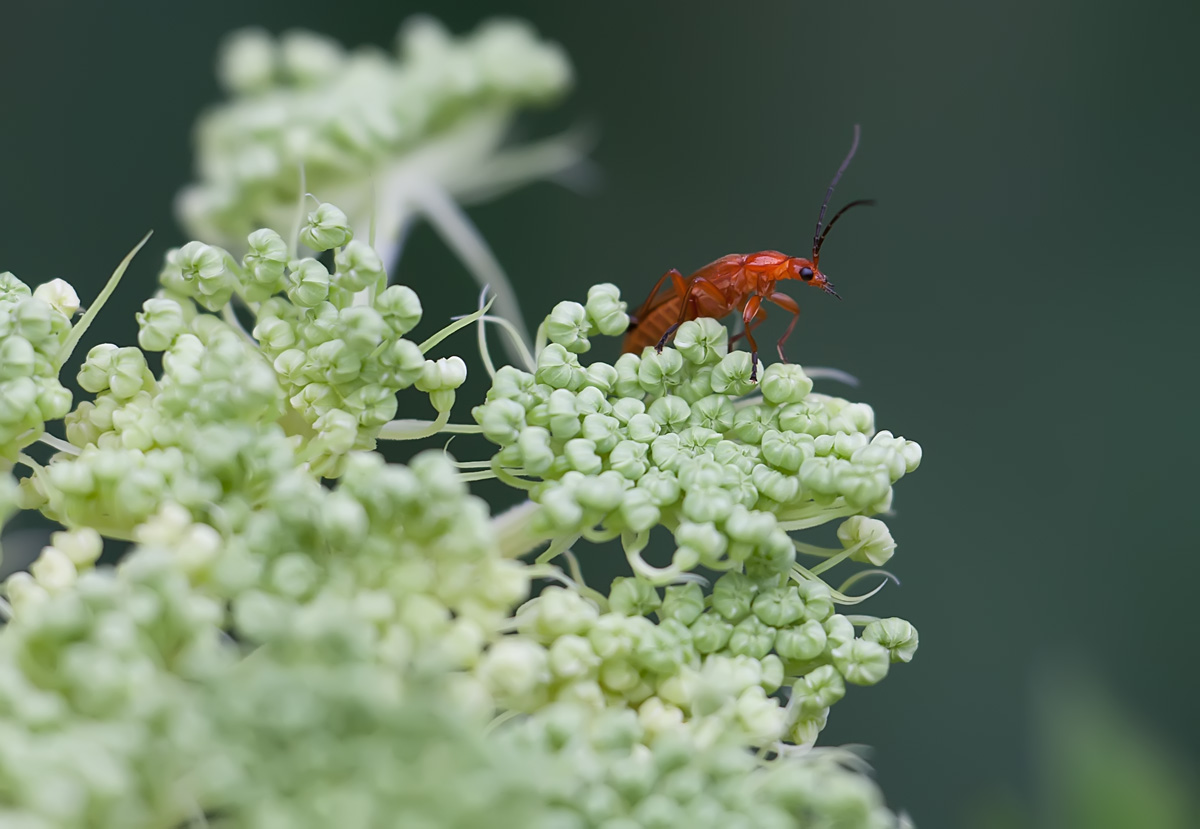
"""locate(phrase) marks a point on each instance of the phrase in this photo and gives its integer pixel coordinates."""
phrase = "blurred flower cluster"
(306, 635)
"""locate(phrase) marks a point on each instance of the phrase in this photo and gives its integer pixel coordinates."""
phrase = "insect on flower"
(738, 281)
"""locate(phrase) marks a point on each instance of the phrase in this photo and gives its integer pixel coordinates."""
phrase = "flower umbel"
(303, 634)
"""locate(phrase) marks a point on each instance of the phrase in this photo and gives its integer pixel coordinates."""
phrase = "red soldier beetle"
(738, 281)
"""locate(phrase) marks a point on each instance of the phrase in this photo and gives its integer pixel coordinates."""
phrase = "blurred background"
(1021, 302)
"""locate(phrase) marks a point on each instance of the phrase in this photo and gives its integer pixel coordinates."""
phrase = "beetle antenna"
(817, 236)
(821, 239)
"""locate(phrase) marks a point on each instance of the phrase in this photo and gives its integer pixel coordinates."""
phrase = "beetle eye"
(806, 273)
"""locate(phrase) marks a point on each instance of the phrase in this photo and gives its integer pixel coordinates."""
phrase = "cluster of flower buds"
(34, 328)
(684, 439)
(357, 122)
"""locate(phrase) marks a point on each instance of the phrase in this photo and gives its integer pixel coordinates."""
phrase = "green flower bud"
(697, 385)
(375, 405)
(784, 383)
(613, 636)
(444, 374)
(897, 635)
(17, 357)
(877, 543)
(732, 374)
(628, 458)
(559, 368)
(801, 643)
(683, 602)
(601, 376)
(571, 657)
(643, 428)
(93, 374)
(661, 485)
(659, 372)
(308, 283)
(402, 363)
(707, 503)
(863, 486)
(638, 510)
(514, 669)
(159, 323)
(779, 606)
(308, 58)
(808, 417)
(563, 415)
(773, 558)
(715, 412)
(581, 455)
(702, 537)
(861, 662)
(671, 413)
(247, 61)
(363, 328)
(556, 612)
(704, 341)
(325, 228)
(774, 484)
(843, 444)
(627, 385)
(819, 689)
(534, 445)
(590, 400)
(513, 384)
(606, 311)
(274, 334)
(839, 630)
(265, 260)
(53, 570)
(358, 265)
(710, 633)
(321, 324)
(620, 677)
(760, 717)
(787, 450)
(59, 296)
(334, 362)
(853, 417)
(603, 431)
(751, 423)
(12, 288)
(908, 450)
(883, 456)
(502, 421)
(732, 596)
(36, 321)
(752, 638)
(400, 308)
(337, 431)
(631, 596)
(199, 271)
(568, 326)
(664, 648)
(821, 477)
(818, 602)
(750, 526)
(602, 493)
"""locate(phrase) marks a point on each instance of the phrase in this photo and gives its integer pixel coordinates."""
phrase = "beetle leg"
(733, 338)
(792, 307)
(676, 282)
(689, 309)
(752, 310)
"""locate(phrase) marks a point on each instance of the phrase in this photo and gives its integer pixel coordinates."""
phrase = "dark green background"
(1022, 301)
